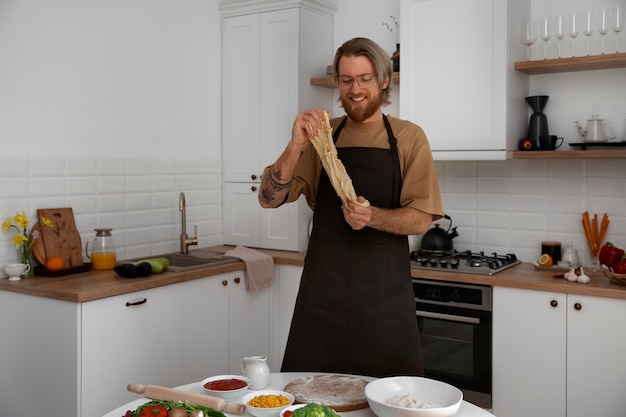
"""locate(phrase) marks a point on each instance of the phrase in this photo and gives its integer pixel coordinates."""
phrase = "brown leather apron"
(355, 311)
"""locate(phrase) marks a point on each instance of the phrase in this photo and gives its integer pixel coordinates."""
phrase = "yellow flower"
(20, 223)
(18, 241)
(47, 222)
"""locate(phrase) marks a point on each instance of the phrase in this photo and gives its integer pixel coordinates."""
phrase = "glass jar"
(102, 250)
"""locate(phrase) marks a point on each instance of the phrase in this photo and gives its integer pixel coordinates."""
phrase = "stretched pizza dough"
(339, 178)
(342, 393)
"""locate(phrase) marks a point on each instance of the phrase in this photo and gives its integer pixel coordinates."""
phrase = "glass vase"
(27, 259)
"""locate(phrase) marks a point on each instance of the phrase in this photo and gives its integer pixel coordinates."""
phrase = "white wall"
(111, 78)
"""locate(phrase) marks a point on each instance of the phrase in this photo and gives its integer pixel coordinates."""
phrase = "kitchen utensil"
(15, 271)
(62, 239)
(266, 411)
(438, 239)
(594, 131)
(256, 369)
(218, 386)
(156, 392)
(102, 250)
(442, 399)
(570, 254)
(538, 125)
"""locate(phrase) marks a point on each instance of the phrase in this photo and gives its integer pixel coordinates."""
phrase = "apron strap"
(397, 175)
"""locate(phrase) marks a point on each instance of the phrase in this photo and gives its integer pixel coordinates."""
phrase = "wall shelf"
(588, 154)
(329, 82)
(582, 63)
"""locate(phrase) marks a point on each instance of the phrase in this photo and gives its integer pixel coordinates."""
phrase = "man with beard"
(355, 310)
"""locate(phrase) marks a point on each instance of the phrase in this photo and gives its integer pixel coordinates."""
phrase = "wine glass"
(574, 29)
(587, 26)
(617, 24)
(559, 30)
(528, 36)
(603, 25)
(545, 32)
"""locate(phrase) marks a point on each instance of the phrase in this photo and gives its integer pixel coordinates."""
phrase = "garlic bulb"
(583, 278)
(571, 275)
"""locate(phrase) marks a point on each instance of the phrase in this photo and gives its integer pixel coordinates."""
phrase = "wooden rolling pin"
(169, 394)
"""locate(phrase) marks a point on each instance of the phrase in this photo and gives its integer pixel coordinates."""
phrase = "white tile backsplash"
(138, 198)
(503, 206)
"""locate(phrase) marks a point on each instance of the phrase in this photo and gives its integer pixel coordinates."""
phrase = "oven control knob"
(454, 263)
(443, 263)
(433, 262)
(423, 261)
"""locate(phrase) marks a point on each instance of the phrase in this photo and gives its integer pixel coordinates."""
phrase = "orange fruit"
(545, 260)
(55, 263)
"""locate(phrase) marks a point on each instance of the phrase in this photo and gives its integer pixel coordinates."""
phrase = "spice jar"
(102, 250)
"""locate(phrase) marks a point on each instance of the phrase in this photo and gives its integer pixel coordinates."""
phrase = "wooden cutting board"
(63, 239)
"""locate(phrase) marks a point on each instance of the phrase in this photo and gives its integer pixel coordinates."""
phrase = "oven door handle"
(449, 317)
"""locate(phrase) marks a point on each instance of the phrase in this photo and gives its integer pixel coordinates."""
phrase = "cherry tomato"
(156, 410)
(288, 413)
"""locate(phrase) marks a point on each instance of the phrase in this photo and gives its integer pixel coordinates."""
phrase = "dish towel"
(259, 267)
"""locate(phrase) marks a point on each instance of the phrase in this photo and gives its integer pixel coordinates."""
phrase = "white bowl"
(266, 412)
(226, 394)
(291, 408)
(445, 396)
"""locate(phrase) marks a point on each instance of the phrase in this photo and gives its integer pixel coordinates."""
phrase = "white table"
(278, 381)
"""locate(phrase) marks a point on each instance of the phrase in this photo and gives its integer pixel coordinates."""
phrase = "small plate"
(554, 268)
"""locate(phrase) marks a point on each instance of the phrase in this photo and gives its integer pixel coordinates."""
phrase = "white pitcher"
(256, 369)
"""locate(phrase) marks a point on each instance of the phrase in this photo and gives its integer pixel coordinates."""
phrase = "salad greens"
(208, 412)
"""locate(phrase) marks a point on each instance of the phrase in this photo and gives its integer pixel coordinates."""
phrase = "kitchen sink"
(196, 259)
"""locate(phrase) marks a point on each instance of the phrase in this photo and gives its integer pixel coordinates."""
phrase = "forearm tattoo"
(273, 186)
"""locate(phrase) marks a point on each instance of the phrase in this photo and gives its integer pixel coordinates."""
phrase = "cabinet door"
(596, 363)
(529, 353)
(454, 66)
(249, 325)
(284, 294)
(242, 213)
(241, 81)
(134, 337)
(205, 327)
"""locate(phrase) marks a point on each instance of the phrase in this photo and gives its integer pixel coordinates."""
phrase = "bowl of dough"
(409, 396)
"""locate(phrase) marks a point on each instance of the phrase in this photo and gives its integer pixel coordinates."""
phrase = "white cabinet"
(222, 323)
(128, 338)
(62, 358)
(458, 80)
(557, 355)
(269, 54)
(284, 292)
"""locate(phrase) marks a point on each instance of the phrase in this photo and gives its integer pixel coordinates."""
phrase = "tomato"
(154, 410)
(288, 413)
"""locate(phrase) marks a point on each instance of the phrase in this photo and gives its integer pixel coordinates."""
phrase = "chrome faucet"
(185, 241)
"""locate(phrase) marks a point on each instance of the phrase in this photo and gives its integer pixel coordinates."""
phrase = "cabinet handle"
(578, 306)
(253, 188)
(554, 303)
(136, 303)
(224, 283)
(253, 177)
(237, 280)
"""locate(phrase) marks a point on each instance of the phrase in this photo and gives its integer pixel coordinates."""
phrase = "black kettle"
(438, 239)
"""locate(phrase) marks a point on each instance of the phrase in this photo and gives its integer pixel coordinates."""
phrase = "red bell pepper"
(610, 254)
(620, 266)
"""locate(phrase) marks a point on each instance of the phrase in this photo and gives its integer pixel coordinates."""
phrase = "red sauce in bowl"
(225, 384)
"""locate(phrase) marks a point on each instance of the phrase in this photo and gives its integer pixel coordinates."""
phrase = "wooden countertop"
(93, 285)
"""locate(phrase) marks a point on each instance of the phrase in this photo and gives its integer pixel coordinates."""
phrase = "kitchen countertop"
(93, 285)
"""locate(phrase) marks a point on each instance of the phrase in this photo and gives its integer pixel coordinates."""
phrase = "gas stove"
(466, 262)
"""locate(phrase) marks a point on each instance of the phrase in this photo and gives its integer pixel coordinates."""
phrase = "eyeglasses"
(363, 80)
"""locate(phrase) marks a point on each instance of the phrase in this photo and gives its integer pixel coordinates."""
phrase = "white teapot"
(594, 131)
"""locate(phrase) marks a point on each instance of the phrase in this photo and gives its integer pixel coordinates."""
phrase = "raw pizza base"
(339, 178)
(342, 393)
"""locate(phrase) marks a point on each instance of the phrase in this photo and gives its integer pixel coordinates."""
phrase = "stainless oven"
(454, 320)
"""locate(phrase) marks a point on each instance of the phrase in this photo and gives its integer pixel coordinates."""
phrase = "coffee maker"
(538, 125)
